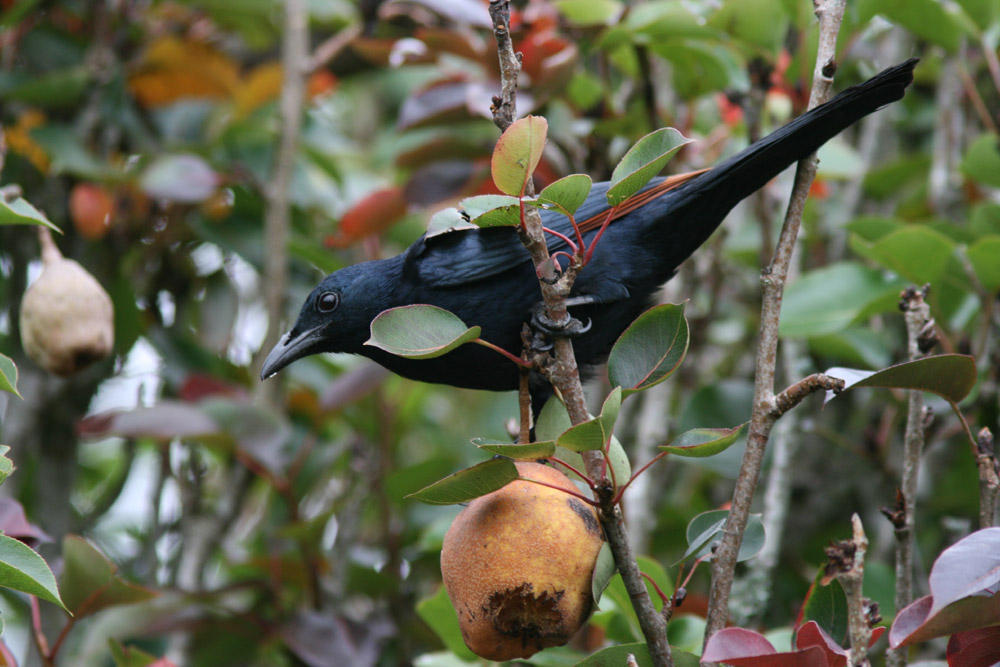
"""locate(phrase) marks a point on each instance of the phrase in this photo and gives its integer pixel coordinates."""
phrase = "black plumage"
(486, 277)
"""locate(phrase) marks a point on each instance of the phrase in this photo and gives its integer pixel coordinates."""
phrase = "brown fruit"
(517, 565)
(67, 320)
(91, 208)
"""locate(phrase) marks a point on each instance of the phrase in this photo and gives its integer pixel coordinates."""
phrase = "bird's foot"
(544, 329)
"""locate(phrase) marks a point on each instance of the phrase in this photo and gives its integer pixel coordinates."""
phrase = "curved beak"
(290, 348)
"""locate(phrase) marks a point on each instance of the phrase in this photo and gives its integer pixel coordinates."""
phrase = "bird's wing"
(467, 255)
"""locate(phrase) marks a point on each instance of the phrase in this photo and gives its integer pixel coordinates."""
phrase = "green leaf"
(652, 569)
(706, 528)
(22, 569)
(827, 605)
(517, 154)
(8, 375)
(584, 13)
(984, 255)
(702, 442)
(6, 465)
(447, 220)
(519, 452)
(650, 350)
(467, 484)
(437, 612)
(419, 331)
(916, 252)
(130, 656)
(553, 420)
(643, 161)
(761, 23)
(618, 462)
(604, 569)
(594, 433)
(492, 210)
(90, 582)
(950, 376)
(982, 161)
(21, 212)
(567, 194)
(828, 300)
(701, 67)
(618, 655)
(932, 20)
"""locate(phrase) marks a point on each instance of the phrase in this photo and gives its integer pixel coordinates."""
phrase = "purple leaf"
(13, 523)
(974, 648)
(744, 648)
(969, 566)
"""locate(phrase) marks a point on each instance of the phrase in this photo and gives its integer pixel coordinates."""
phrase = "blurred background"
(269, 526)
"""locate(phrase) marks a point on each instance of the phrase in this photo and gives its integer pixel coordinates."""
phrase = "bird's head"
(334, 318)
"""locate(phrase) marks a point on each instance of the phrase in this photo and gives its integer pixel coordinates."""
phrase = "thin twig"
(295, 49)
(989, 478)
(846, 562)
(41, 643)
(917, 315)
(830, 14)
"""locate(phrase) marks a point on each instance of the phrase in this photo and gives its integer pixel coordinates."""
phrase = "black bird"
(486, 277)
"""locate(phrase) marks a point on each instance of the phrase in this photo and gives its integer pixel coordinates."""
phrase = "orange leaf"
(372, 215)
(174, 68)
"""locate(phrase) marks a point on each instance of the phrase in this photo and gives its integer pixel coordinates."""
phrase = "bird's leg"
(544, 329)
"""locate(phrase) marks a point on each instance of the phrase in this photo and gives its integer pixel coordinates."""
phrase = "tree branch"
(561, 369)
(830, 13)
(277, 216)
(917, 315)
(846, 562)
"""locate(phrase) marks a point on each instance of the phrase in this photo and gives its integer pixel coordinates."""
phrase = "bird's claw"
(542, 324)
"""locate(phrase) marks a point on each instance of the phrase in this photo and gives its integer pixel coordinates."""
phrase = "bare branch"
(846, 562)
(989, 478)
(830, 14)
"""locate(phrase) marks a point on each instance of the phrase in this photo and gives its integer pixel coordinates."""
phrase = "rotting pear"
(517, 564)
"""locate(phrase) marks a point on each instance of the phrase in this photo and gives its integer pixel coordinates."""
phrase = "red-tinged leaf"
(164, 421)
(950, 376)
(642, 162)
(702, 442)
(968, 567)
(914, 624)
(811, 634)
(650, 349)
(445, 100)
(90, 582)
(197, 386)
(419, 331)
(517, 153)
(964, 592)
(370, 216)
(744, 648)
(974, 648)
(467, 484)
(14, 523)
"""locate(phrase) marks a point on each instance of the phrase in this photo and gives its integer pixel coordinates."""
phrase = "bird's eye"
(327, 301)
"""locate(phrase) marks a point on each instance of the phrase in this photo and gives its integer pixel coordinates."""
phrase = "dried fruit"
(517, 565)
(67, 320)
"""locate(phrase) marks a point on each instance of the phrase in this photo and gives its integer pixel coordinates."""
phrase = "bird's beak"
(289, 348)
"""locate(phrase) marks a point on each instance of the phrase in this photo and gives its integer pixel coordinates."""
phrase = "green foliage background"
(281, 536)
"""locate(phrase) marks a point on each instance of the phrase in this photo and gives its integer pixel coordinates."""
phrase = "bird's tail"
(710, 196)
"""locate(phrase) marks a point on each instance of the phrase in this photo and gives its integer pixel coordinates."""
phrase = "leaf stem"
(496, 348)
(582, 475)
(638, 472)
(575, 494)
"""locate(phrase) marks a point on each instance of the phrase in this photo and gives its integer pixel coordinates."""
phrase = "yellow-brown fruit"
(517, 565)
(67, 320)
(91, 208)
